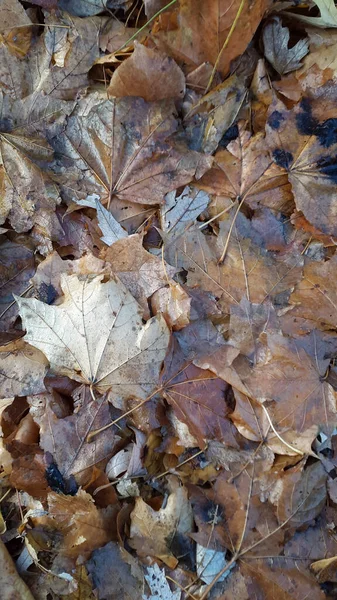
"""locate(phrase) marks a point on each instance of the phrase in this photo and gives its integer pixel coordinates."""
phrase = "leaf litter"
(168, 346)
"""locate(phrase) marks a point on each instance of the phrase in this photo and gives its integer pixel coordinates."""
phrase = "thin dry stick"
(179, 464)
(225, 44)
(278, 435)
(223, 255)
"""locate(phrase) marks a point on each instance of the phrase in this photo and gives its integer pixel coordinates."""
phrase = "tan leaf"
(96, 336)
(325, 569)
(12, 584)
(152, 532)
(22, 369)
(141, 272)
(149, 74)
(174, 304)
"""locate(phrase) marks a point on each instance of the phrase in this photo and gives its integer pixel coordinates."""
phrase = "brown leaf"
(84, 527)
(202, 27)
(288, 376)
(16, 268)
(245, 169)
(135, 160)
(65, 439)
(247, 269)
(303, 494)
(115, 573)
(26, 189)
(149, 74)
(302, 141)
(199, 399)
(315, 297)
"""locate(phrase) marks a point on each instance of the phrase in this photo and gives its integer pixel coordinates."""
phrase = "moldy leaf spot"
(328, 166)
(282, 158)
(327, 133)
(47, 293)
(275, 119)
(306, 123)
(229, 135)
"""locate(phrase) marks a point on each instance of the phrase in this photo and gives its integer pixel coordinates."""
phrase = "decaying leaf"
(148, 74)
(115, 573)
(96, 336)
(22, 370)
(152, 532)
(12, 584)
(159, 586)
(136, 159)
(276, 50)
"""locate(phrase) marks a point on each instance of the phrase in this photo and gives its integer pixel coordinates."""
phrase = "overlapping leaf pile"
(168, 317)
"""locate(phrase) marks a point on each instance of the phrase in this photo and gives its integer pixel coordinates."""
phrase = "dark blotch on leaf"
(282, 158)
(306, 123)
(275, 119)
(230, 135)
(327, 133)
(47, 293)
(55, 479)
(328, 166)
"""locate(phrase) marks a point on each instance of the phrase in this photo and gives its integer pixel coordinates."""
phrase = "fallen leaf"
(65, 439)
(328, 16)
(111, 229)
(131, 366)
(135, 160)
(17, 266)
(141, 272)
(152, 532)
(22, 370)
(149, 74)
(276, 48)
(203, 27)
(303, 146)
(83, 526)
(115, 573)
(12, 585)
(178, 212)
(174, 304)
(159, 586)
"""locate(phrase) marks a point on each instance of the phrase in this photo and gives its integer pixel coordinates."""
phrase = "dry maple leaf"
(96, 336)
(276, 50)
(84, 526)
(201, 27)
(26, 189)
(315, 296)
(288, 376)
(58, 61)
(304, 144)
(247, 269)
(149, 74)
(124, 148)
(245, 169)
